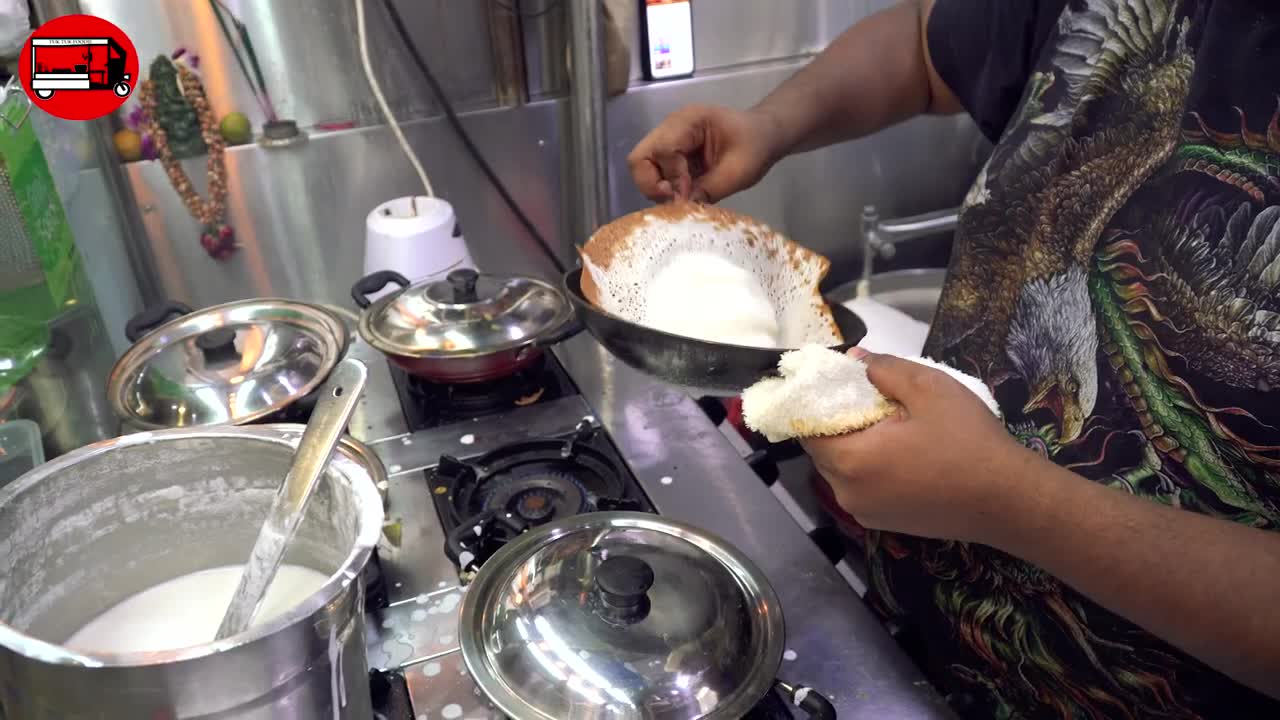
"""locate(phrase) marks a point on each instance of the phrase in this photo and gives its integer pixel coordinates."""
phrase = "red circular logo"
(78, 67)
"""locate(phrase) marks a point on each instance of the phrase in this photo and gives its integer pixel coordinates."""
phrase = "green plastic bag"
(39, 263)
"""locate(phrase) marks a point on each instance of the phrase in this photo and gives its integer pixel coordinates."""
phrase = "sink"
(899, 310)
(914, 292)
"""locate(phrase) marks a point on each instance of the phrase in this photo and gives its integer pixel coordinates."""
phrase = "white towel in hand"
(823, 392)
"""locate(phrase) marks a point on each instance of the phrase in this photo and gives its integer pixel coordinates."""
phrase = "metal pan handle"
(372, 283)
(153, 317)
(571, 327)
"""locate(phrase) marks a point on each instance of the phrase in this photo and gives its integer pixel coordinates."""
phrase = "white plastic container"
(20, 449)
(417, 237)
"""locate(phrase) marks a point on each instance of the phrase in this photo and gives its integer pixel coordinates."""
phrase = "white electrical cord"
(382, 100)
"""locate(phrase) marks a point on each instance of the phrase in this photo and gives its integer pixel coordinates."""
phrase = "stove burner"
(427, 404)
(475, 398)
(539, 496)
(490, 500)
(549, 478)
(534, 505)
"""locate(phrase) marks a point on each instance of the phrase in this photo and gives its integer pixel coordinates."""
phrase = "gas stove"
(494, 460)
(486, 502)
(429, 405)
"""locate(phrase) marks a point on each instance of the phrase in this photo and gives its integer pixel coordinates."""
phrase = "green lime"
(235, 128)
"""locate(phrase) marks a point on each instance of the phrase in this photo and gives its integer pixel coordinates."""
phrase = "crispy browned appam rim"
(616, 237)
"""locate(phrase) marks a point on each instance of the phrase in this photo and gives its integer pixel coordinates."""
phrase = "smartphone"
(667, 38)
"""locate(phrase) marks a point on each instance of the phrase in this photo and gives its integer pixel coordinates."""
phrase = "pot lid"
(621, 615)
(232, 363)
(467, 314)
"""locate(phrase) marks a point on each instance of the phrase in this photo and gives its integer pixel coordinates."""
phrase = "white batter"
(705, 296)
(187, 610)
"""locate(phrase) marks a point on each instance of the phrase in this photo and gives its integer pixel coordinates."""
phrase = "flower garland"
(217, 237)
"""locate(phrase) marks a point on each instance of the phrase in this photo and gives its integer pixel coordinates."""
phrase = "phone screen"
(669, 25)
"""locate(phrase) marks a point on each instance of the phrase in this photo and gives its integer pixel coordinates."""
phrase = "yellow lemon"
(128, 145)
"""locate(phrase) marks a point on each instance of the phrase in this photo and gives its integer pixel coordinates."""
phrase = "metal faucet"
(879, 237)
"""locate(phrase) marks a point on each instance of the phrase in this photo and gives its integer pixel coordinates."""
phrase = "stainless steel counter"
(691, 472)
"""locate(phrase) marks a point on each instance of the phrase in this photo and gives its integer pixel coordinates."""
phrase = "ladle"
(336, 403)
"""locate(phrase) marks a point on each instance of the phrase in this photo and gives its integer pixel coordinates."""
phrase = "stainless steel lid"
(232, 363)
(621, 615)
(465, 315)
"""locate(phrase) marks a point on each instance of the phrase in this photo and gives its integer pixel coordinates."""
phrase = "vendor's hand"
(704, 153)
(942, 468)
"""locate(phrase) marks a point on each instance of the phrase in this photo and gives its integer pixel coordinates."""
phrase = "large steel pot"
(466, 328)
(87, 530)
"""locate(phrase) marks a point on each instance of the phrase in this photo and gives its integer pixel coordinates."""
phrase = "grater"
(19, 265)
(39, 265)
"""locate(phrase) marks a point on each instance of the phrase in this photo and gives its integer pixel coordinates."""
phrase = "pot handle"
(808, 700)
(372, 283)
(152, 318)
(571, 327)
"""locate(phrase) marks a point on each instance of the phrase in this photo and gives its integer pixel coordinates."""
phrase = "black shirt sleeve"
(986, 50)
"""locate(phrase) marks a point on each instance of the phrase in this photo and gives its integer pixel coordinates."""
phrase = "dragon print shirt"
(1116, 282)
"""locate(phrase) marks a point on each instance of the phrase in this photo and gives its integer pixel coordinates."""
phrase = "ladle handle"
(336, 403)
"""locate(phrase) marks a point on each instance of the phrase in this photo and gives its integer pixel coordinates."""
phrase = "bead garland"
(217, 237)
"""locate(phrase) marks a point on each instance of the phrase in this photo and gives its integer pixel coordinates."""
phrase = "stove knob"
(785, 450)
(762, 462)
(623, 586)
(390, 693)
(830, 541)
(714, 408)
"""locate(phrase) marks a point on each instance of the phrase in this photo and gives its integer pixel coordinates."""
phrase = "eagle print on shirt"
(1116, 281)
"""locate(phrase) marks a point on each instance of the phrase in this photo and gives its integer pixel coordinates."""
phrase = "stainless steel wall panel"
(309, 55)
(299, 212)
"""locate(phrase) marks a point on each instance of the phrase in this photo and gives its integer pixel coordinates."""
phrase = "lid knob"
(218, 346)
(623, 584)
(463, 281)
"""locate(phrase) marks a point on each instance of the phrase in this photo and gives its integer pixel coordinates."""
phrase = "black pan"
(707, 367)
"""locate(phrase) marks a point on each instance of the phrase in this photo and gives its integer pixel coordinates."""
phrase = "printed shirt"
(1116, 281)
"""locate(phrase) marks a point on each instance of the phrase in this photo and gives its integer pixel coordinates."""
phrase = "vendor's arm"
(876, 73)
(946, 468)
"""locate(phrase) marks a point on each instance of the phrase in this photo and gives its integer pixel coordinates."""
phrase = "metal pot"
(625, 615)
(89, 529)
(242, 362)
(464, 329)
